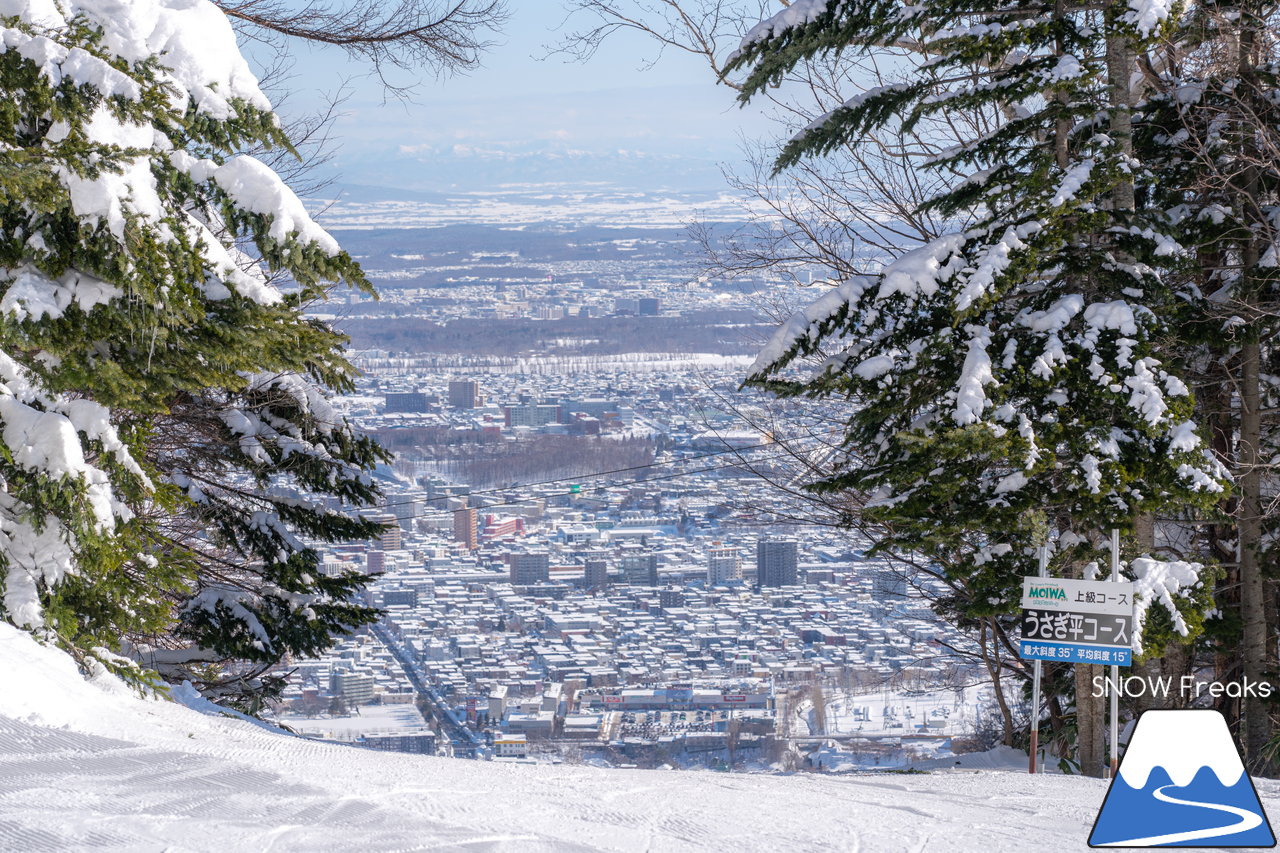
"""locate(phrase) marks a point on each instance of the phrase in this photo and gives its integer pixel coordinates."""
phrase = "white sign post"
(1115, 670)
(1037, 673)
(1077, 621)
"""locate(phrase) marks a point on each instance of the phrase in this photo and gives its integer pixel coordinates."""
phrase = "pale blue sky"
(517, 102)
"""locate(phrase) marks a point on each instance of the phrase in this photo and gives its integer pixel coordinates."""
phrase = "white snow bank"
(88, 765)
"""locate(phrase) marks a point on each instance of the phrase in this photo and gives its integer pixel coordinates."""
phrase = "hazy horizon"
(524, 119)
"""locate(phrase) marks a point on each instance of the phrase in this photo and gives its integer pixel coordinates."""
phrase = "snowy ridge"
(1182, 742)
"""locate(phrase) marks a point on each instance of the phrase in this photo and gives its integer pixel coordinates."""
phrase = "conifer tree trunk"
(1119, 70)
(1257, 724)
(1062, 127)
(1090, 723)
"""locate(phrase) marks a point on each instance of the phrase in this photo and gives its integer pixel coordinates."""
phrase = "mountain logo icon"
(1182, 784)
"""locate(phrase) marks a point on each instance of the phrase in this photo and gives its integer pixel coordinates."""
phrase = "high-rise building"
(596, 407)
(776, 562)
(529, 567)
(375, 562)
(406, 403)
(418, 742)
(438, 489)
(464, 394)
(723, 564)
(501, 527)
(464, 527)
(390, 539)
(596, 574)
(639, 567)
(887, 584)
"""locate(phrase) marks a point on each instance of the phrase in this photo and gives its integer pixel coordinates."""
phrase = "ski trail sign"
(1075, 621)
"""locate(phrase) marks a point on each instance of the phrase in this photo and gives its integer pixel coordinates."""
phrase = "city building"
(776, 562)
(375, 562)
(639, 567)
(390, 538)
(529, 567)
(531, 415)
(596, 574)
(723, 564)
(464, 394)
(406, 403)
(670, 597)
(501, 527)
(400, 597)
(406, 512)
(414, 742)
(511, 745)
(355, 688)
(464, 528)
(889, 584)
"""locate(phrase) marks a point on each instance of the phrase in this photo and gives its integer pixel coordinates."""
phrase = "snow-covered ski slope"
(90, 766)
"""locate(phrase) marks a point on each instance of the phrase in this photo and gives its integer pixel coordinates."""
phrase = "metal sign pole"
(1115, 670)
(1037, 671)
(1084, 622)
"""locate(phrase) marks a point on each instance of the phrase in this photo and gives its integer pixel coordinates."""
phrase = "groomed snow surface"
(90, 766)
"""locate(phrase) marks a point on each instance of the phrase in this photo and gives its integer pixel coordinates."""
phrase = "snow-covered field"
(940, 712)
(92, 766)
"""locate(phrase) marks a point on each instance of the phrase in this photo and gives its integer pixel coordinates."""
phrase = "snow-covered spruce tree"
(1015, 370)
(166, 449)
(1209, 124)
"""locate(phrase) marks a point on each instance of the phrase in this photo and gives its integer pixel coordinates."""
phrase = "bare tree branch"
(405, 35)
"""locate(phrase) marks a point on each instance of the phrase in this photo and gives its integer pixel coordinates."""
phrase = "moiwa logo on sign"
(1056, 593)
(1182, 784)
